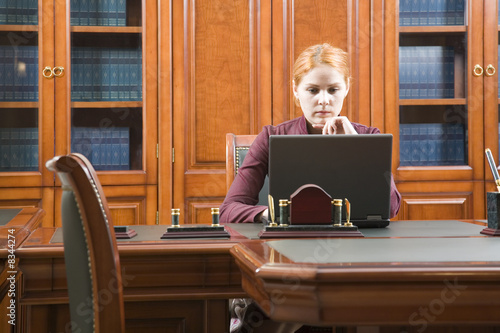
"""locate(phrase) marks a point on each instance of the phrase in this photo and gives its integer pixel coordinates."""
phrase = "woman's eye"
(332, 90)
(312, 90)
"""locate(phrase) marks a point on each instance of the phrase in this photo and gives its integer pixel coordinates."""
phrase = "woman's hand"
(262, 217)
(338, 125)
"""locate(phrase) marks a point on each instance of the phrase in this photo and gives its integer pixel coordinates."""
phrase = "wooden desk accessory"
(492, 200)
(124, 232)
(310, 210)
(215, 230)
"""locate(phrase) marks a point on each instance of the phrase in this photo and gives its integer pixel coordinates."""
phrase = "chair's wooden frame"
(78, 175)
(233, 142)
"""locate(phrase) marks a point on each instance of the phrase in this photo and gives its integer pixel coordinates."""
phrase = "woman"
(320, 84)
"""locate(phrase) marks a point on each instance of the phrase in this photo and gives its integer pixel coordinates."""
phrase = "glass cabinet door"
(433, 114)
(107, 94)
(106, 83)
(23, 82)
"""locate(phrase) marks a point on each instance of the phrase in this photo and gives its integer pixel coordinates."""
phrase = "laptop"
(356, 167)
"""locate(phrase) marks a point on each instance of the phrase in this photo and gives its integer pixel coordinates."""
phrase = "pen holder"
(493, 208)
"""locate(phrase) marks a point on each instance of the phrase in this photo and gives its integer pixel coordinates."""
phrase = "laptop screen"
(356, 167)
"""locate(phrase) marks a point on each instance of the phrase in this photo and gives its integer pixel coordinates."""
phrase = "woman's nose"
(324, 98)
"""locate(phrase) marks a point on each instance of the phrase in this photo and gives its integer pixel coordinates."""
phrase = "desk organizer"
(195, 231)
(311, 216)
(124, 232)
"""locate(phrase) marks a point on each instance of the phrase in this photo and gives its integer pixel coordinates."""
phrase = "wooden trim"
(432, 29)
(491, 100)
(113, 104)
(106, 29)
(46, 89)
(20, 28)
(150, 88)
(391, 75)
(165, 111)
(443, 101)
(378, 49)
(361, 89)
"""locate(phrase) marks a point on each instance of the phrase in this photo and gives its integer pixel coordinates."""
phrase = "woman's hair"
(319, 54)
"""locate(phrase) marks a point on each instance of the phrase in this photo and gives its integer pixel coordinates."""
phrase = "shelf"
(18, 105)
(17, 27)
(106, 29)
(432, 29)
(443, 101)
(112, 104)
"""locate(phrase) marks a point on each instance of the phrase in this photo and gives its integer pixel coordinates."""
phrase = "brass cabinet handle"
(47, 72)
(490, 70)
(478, 70)
(58, 71)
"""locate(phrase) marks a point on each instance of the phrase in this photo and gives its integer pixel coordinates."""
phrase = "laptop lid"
(356, 167)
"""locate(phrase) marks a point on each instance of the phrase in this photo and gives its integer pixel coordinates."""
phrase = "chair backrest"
(237, 147)
(90, 252)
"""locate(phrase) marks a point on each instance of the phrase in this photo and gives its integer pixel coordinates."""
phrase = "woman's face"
(321, 94)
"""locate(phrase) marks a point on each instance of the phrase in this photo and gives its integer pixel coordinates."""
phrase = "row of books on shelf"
(106, 74)
(18, 73)
(18, 149)
(105, 148)
(98, 12)
(426, 72)
(432, 144)
(431, 12)
(19, 12)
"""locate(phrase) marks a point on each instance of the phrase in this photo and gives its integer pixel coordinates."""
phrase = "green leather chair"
(90, 252)
(237, 147)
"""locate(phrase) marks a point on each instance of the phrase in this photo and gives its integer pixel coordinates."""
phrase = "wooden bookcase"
(92, 94)
(440, 174)
(218, 66)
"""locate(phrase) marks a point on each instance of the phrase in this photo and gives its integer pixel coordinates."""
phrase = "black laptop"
(356, 167)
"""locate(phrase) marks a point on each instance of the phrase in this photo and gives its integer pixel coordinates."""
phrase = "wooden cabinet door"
(299, 24)
(26, 96)
(231, 63)
(106, 103)
(490, 77)
(221, 78)
(435, 104)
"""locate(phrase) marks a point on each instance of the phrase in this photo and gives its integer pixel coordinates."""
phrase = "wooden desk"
(15, 226)
(183, 285)
(19, 223)
(410, 274)
(169, 285)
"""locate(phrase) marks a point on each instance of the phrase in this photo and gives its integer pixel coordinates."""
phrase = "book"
(107, 148)
(432, 144)
(431, 12)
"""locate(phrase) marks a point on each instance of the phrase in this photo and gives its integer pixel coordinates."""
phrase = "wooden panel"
(199, 211)
(217, 88)
(182, 285)
(181, 317)
(296, 26)
(219, 101)
(165, 98)
(129, 205)
(490, 22)
(431, 206)
(41, 197)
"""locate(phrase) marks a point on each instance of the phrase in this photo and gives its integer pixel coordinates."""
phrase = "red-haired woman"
(321, 80)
